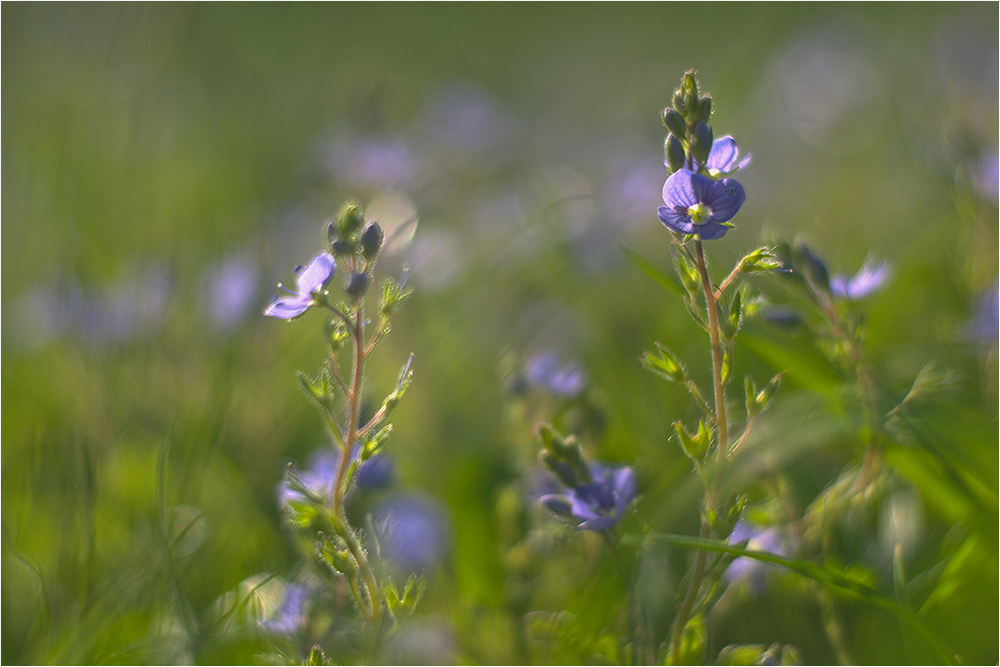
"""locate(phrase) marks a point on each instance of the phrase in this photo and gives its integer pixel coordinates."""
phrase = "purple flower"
(412, 532)
(308, 281)
(696, 204)
(319, 478)
(543, 370)
(722, 160)
(231, 288)
(751, 570)
(373, 474)
(868, 279)
(599, 504)
(986, 322)
(290, 616)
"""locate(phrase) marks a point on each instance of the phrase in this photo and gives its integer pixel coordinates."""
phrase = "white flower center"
(700, 214)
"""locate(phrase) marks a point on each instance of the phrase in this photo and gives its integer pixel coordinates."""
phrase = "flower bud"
(357, 285)
(674, 122)
(350, 221)
(705, 109)
(812, 267)
(702, 144)
(674, 151)
(341, 248)
(371, 241)
(679, 102)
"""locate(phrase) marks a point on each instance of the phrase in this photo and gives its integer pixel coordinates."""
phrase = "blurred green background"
(165, 165)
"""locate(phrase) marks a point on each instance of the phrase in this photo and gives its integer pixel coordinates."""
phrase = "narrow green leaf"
(654, 272)
(820, 573)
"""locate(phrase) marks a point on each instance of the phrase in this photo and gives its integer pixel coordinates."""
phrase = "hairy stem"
(686, 609)
(373, 609)
(713, 334)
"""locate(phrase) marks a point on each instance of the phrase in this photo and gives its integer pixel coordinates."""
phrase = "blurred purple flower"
(412, 532)
(750, 570)
(375, 473)
(136, 305)
(868, 279)
(291, 615)
(231, 287)
(696, 204)
(986, 323)
(722, 159)
(373, 161)
(321, 475)
(543, 370)
(465, 116)
(308, 280)
(319, 478)
(599, 504)
(782, 317)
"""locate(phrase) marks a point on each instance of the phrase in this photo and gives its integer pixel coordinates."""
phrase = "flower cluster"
(599, 503)
(593, 496)
(699, 198)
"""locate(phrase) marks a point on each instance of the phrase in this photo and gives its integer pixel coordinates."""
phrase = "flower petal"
(675, 221)
(287, 309)
(678, 189)
(724, 198)
(557, 503)
(623, 480)
(598, 523)
(711, 231)
(316, 274)
(723, 155)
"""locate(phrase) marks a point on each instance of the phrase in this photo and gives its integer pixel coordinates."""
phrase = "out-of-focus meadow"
(165, 165)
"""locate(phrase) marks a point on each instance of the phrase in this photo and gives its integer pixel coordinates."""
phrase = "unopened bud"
(674, 151)
(674, 122)
(350, 221)
(371, 241)
(357, 285)
(702, 145)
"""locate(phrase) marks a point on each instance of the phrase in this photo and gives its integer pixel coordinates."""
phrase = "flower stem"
(713, 334)
(373, 609)
(686, 609)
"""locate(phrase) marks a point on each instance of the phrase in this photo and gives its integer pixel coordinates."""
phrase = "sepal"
(664, 364)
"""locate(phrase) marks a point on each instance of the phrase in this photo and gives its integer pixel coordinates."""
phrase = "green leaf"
(801, 360)
(652, 271)
(841, 580)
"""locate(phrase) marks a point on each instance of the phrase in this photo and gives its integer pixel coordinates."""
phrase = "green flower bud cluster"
(562, 455)
(357, 243)
(689, 137)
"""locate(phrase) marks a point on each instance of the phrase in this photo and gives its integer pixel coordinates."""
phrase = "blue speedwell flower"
(290, 617)
(868, 279)
(310, 279)
(412, 532)
(544, 370)
(599, 504)
(722, 159)
(696, 204)
(750, 570)
(375, 473)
